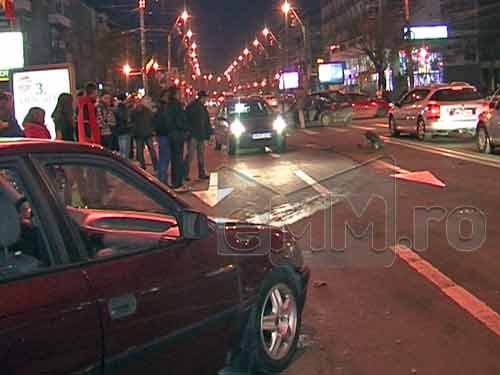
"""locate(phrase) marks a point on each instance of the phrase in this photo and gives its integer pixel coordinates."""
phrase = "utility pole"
(409, 48)
(169, 57)
(142, 7)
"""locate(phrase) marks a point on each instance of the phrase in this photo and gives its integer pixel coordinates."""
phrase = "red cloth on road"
(33, 130)
(88, 131)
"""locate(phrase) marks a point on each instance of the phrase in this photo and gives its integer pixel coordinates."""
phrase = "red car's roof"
(17, 146)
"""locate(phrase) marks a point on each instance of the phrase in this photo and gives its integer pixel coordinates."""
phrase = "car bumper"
(446, 126)
(247, 140)
(304, 274)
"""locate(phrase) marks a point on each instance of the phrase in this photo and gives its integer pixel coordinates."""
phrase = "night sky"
(223, 25)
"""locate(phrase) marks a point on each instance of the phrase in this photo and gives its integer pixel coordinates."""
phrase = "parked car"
(437, 110)
(488, 127)
(104, 270)
(364, 106)
(249, 123)
(327, 109)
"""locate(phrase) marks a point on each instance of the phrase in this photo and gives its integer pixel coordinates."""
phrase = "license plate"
(463, 112)
(262, 136)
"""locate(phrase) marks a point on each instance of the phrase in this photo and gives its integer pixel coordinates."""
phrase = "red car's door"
(48, 320)
(165, 302)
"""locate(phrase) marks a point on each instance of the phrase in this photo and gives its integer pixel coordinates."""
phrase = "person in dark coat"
(198, 120)
(175, 125)
(63, 117)
(8, 123)
(123, 128)
(142, 118)
(162, 131)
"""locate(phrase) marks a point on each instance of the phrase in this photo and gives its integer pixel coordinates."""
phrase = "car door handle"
(121, 307)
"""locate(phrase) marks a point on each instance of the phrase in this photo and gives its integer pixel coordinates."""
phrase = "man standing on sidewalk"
(161, 127)
(175, 123)
(200, 129)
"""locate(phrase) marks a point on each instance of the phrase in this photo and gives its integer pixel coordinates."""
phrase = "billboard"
(426, 32)
(289, 80)
(13, 53)
(40, 87)
(332, 73)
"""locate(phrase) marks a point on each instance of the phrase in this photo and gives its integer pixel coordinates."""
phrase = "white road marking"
(363, 127)
(445, 152)
(213, 196)
(466, 300)
(312, 182)
(392, 167)
(309, 132)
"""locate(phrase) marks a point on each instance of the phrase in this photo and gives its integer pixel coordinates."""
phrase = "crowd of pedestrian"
(127, 124)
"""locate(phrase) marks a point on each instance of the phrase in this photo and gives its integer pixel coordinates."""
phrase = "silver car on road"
(437, 110)
(488, 126)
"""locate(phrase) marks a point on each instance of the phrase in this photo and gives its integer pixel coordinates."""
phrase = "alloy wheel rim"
(278, 322)
(481, 139)
(420, 131)
(392, 128)
(325, 120)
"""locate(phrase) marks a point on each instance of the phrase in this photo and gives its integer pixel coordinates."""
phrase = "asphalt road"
(419, 296)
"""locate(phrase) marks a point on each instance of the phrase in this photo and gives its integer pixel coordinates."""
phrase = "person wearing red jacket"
(34, 124)
(88, 130)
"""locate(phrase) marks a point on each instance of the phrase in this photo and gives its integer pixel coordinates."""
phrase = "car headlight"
(237, 128)
(279, 124)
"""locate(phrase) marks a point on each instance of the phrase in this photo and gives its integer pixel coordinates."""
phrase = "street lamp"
(246, 51)
(267, 32)
(184, 16)
(127, 70)
(256, 43)
(286, 7)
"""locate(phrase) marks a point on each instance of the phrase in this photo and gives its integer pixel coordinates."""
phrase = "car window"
(338, 97)
(415, 96)
(115, 215)
(458, 94)
(358, 97)
(24, 247)
(253, 108)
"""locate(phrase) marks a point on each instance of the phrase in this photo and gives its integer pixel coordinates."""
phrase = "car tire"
(422, 135)
(283, 145)
(483, 141)
(325, 119)
(231, 149)
(393, 128)
(257, 355)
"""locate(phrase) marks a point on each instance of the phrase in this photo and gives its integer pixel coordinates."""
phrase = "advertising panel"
(40, 87)
(332, 73)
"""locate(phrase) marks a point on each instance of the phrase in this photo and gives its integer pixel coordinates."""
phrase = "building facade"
(471, 52)
(60, 31)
